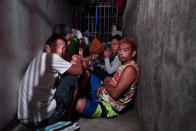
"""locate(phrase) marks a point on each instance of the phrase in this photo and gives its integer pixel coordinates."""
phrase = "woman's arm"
(112, 68)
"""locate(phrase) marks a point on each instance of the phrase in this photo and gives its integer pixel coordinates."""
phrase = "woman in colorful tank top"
(117, 92)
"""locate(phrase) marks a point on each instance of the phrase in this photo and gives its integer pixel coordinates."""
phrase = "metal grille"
(98, 20)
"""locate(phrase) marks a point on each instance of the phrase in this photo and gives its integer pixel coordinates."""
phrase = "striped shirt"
(36, 94)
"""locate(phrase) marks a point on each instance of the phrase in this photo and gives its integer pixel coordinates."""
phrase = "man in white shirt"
(47, 87)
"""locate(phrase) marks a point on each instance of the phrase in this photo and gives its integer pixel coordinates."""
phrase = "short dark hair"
(118, 37)
(85, 49)
(54, 37)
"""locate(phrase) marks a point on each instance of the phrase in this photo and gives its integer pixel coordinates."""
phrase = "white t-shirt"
(36, 94)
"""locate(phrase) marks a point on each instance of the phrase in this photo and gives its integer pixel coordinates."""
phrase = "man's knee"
(65, 89)
(80, 105)
(69, 79)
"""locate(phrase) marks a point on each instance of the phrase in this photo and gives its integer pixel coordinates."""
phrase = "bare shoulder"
(128, 75)
(130, 69)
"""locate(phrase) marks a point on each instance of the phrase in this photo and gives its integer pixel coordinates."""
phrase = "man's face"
(58, 47)
(115, 45)
(125, 52)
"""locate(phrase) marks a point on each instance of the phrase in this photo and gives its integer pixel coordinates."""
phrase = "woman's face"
(80, 52)
(115, 45)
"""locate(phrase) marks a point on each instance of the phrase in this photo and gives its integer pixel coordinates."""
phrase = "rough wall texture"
(165, 31)
(24, 28)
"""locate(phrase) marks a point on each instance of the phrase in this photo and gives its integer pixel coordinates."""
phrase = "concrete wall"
(166, 36)
(24, 27)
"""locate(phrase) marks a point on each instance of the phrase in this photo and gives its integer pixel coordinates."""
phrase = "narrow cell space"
(97, 65)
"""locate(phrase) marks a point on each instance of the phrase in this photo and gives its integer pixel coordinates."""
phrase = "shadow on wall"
(9, 68)
(35, 90)
(5, 75)
(32, 92)
(32, 6)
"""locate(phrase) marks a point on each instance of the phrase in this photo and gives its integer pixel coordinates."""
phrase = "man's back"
(37, 87)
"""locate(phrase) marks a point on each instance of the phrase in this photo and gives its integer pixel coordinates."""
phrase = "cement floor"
(125, 122)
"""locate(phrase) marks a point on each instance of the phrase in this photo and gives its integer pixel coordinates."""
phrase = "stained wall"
(24, 27)
(165, 31)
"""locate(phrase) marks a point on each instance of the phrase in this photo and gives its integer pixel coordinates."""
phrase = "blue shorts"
(96, 107)
(95, 82)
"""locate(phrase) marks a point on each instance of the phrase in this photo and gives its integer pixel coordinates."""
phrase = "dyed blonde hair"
(129, 40)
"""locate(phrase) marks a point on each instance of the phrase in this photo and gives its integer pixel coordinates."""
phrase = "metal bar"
(91, 35)
(99, 23)
(116, 17)
(108, 22)
(113, 19)
(104, 23)
(96, 20)
(107, 6)
(91, 24)
(80, 16)
(88, 21)
(76, 18)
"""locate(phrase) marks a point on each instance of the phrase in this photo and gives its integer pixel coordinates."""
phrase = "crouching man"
(47, 87)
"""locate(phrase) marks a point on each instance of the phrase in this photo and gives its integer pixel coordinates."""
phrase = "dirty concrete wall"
(24, 28)
(165, 31)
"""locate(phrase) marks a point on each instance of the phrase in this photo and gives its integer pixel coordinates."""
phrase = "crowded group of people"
(73, 77)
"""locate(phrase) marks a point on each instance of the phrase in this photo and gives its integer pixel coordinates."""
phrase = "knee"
(80, 105)
(69, 81)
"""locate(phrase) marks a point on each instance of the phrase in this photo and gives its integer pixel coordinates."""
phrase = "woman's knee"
(80, 105)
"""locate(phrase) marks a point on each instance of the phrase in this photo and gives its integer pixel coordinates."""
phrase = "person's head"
(95, 56)
(107, 47)
(80, 51)
(127, 49)
(83, 50)
(55, 44)
(63, 30)
(107, 51)
(115, 43)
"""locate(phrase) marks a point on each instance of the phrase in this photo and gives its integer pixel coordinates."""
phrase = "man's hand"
(86, 63)
(99, 91)
(76, 59)
(107, 53)
(106, 80)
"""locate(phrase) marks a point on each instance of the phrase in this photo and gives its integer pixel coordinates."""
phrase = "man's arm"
(77, 68)
(128, 76)
(84, 78)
